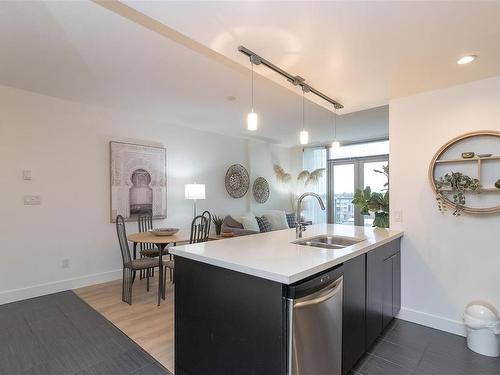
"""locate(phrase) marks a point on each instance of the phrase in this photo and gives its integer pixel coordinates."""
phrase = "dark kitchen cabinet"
(227, 322)
(353, 325)
(383, 288)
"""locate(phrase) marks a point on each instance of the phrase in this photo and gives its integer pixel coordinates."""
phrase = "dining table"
(161, 242)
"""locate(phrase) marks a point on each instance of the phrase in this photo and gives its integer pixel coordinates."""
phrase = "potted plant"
(217, 220)
(454, 184)
(378, 203)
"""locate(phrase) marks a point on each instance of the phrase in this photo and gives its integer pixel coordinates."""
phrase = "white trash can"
(483, 329)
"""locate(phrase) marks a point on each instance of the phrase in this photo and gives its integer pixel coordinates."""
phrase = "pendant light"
(252, 117)
(304, 134)
(335, 143)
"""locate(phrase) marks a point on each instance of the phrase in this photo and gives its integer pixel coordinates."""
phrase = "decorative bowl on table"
(468, 155)
(227, 234)
(163, 231)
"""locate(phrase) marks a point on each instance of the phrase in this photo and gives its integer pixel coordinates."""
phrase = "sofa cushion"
(232, 223)
(292, 222)
(277, 219)
(264, 224)
(250, 223)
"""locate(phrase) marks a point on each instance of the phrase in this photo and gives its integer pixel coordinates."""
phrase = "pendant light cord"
(303, 111)
(334, 123)
(252, 83)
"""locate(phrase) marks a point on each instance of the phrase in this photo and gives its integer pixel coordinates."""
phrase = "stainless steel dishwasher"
(314, 316)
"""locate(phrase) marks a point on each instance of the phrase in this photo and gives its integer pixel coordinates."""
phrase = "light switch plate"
(27, 175)
(32, 200)
(398, 216)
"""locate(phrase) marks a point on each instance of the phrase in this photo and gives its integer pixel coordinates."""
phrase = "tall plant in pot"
(217, 220)
(377, 203)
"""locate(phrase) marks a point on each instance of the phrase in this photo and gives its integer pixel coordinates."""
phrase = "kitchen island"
(231, 314)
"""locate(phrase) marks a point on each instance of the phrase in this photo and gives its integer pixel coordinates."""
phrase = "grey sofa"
(231, 225)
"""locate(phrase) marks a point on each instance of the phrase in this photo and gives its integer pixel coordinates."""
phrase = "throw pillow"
(230, 222)
(277, 219)
(290, 218)
(250, 223)
(264, 225)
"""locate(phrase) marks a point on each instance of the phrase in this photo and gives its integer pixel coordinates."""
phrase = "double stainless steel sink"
(329, 242)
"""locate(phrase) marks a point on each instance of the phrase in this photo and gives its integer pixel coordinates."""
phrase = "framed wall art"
(138, 181)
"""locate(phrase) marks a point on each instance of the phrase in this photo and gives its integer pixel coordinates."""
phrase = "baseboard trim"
(438, 322)
(58, 286)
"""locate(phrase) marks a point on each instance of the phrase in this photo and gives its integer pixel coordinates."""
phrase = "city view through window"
(349, 175)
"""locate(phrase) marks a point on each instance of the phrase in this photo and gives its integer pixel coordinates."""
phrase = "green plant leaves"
(378, 203)
(454, 184)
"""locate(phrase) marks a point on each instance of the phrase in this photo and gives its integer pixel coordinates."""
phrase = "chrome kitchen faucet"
(300, 227)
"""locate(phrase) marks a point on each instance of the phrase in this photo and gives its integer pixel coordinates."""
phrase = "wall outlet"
(398, 216)
(32, 200)
(65, 263)
(27, 175)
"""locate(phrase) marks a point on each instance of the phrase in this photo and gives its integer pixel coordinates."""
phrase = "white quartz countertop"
(274, 256)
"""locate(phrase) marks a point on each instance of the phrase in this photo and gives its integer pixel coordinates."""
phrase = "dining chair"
(147, 250)
(199, 233)
(208, 215)
(131, 266)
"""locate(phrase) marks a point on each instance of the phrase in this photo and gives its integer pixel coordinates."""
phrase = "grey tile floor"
(406, 348)
(61, 334)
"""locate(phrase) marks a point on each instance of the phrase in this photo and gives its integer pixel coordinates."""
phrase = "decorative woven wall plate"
(237, 181)
(260, 190)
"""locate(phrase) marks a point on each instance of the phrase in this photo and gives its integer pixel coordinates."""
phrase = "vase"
(497, 184)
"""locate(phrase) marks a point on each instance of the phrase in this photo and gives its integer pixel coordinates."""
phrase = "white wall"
(446, 261)
(65, 145)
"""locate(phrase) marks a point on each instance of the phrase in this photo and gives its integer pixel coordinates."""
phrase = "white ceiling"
(361, 53)
(181, 69)
(83, 52)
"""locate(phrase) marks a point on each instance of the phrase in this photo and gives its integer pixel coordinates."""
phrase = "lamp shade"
(194, 191)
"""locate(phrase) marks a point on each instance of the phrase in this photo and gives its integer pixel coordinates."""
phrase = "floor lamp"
(194, 192)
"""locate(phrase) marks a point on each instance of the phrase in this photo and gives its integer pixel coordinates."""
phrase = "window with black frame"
(353, 167)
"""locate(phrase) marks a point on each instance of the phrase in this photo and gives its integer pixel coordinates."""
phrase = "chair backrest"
(208, 215)
(145, 223)
(199, 229)
(122, 239)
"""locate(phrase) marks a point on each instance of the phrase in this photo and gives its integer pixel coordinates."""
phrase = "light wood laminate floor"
(150, 326)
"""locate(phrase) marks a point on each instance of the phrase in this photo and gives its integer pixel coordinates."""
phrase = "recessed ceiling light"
(466, 59)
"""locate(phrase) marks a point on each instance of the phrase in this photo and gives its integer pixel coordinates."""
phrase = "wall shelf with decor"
(482, 173)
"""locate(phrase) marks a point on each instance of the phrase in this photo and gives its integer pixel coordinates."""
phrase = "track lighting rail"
(294, 80)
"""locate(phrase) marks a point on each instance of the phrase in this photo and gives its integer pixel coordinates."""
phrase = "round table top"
(146, 237)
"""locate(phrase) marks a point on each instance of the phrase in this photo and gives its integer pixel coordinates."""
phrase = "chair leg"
(164, 280)
(141, 272)
(127, 285)
(147, 281)
(130, 286)
(123, 285)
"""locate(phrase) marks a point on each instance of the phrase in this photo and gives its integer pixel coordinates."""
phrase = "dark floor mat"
(61, 334)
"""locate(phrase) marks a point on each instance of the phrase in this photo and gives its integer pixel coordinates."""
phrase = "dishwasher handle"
(325, 295)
